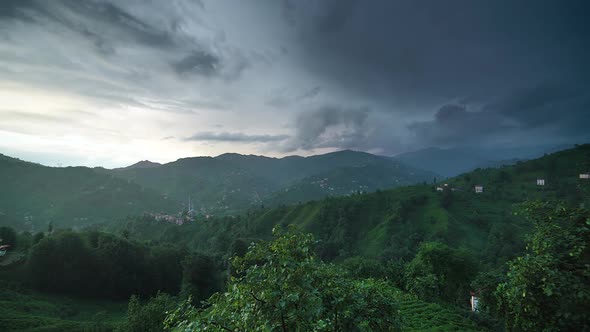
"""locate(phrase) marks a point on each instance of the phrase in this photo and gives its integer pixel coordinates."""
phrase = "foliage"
(147, 317)
(103, 265)
(441, 273)
(200, 277)
(70, 196)
(7, 235)
(26, 311)
(548, 287)
(282, 286)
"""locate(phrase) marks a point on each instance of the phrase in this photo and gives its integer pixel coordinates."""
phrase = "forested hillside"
(32, 196)
(405, 258)
(232, 183)
(454, 161)
(392, 223)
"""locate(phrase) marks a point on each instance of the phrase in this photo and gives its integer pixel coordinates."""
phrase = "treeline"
(97, 264)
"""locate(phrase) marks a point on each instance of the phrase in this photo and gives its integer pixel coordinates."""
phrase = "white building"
(585, 176)
(439, 189)
(474, 303)
(540, 182)
(478, 189)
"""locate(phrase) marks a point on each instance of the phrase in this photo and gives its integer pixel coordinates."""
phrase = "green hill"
(454, 161)
(231, 183)
(391, 224)
(33, 195)
(388, 222)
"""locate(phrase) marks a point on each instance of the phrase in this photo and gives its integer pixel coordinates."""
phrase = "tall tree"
(548, 288)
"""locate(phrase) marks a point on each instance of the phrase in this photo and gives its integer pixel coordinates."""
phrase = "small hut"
(540, 182)
(585, 176)
(478, 189)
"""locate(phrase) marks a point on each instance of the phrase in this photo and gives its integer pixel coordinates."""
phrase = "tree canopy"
(281, 286)
(548, 288)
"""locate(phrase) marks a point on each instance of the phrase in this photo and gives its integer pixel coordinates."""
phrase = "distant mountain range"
(454, 161)
(231, 183)
(392, 224)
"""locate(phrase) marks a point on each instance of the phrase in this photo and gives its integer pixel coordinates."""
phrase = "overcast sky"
(113, 82)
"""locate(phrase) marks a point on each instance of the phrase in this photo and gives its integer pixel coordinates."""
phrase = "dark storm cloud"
(409, 56)
(558, 111)
(329, 127)
(235, 137)
(454, 125)
(199, 62)
(428, 51)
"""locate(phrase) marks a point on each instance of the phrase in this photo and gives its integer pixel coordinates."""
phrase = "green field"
(24, 310)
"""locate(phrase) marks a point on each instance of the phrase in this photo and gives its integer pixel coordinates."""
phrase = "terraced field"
(423, 316)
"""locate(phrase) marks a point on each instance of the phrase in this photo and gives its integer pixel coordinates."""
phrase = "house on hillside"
(439, 189)
(478, 189)
(585, 176)
(540, 182)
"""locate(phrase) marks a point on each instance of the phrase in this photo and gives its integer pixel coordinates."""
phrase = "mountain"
(143, 164)
(32, 195)
(378, 175)
(452, 162)
(232, 183)
(391, 224)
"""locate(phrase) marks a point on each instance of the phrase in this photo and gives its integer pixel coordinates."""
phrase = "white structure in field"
(540, 182)
(439, 189)
(478, 189)
(474, 303)
(585, 176)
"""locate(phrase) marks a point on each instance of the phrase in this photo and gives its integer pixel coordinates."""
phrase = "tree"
(447, 197)
(148, 317)
(281, 286)
(439, 272)
(199, 277)
(62, 263)
(38, 237)
(548, 288)
(8, 236)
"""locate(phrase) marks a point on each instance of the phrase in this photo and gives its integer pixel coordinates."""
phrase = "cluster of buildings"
(178, 219)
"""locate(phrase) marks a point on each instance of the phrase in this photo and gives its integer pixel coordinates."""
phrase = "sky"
(108, 83)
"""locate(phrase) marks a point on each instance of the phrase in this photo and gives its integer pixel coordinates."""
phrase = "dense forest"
(400, 259)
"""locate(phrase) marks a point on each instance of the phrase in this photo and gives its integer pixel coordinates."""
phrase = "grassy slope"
(29, 311)
(373, 219)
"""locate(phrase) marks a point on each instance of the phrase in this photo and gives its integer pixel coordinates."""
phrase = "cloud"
(554, 111)
(284, 99)
(329, 127)
(235, 137)
(455, 125)
(408, 53)
(198, 62)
